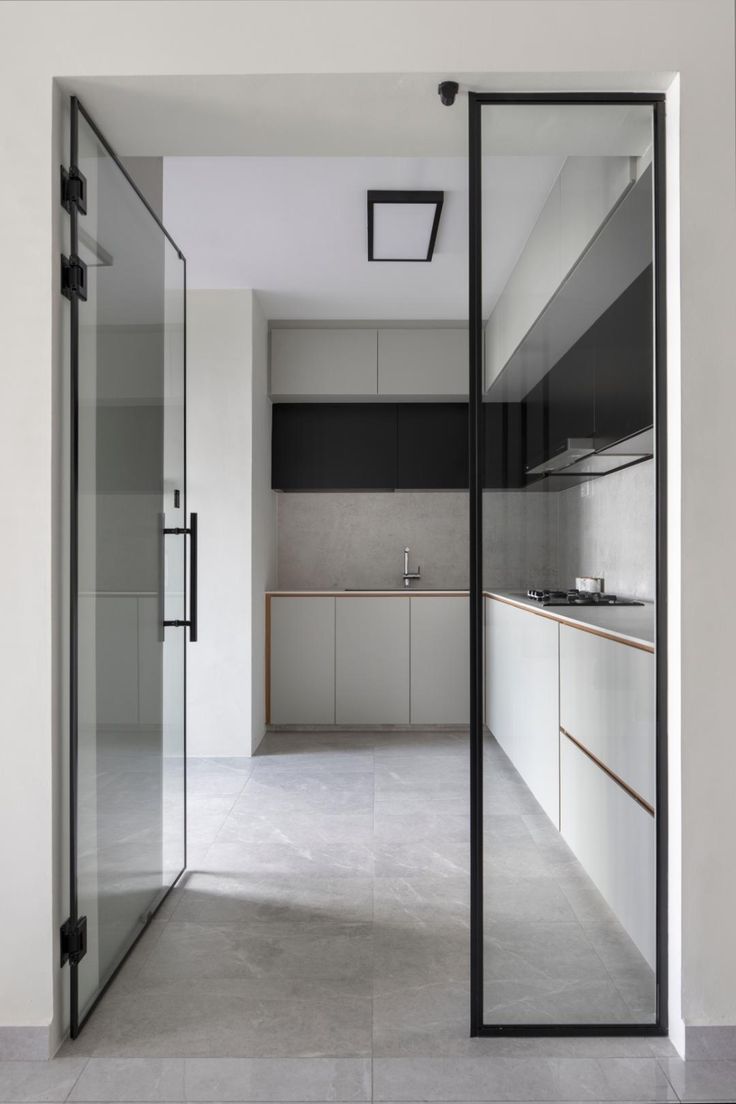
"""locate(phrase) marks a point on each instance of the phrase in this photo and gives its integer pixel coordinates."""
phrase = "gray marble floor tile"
(492, 1078)
(451, 799)
(280, 949)
(298, 1079)
(702, 1079)
(585, 900)
(427, 1019)
(310, 792)
(560, 1001)
(39, 1081)
(549, 951)
(433, 904)
(228, 898)
(402, 956)
(131, 1079)
(407, 772)
(336, 859)
(227, 1017)
(421, 846)
(508, 898)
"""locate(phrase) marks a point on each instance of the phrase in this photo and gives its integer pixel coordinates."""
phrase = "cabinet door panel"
(372, 661)
(333, 447)
(614, 839)
(432, 451)
(423, 362)
(323, 362)
(303, 660)
(440, 665)
(607, 704)
(523, 697)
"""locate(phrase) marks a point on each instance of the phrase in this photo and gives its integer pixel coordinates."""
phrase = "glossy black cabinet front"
(333, 447)
(432, 446)
(602, 388)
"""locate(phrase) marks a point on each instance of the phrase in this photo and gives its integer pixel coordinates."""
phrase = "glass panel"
(131, 464)
(569, 502)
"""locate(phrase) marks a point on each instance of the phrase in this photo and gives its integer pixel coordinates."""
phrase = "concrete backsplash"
(604, 527)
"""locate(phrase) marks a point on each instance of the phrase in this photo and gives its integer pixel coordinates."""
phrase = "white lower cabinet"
(613, 836)
(302, 660)
(607, 704)
(440, 663)
(372, 661)
(522, 696)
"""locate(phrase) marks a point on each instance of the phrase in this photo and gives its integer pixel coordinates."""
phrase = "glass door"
(567, 590)
(125, 279)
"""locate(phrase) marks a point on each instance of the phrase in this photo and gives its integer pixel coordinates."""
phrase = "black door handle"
(193, 565)
(191, 624)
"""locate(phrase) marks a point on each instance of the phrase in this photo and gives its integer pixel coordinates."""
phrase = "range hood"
(576, 448)
(580, 457)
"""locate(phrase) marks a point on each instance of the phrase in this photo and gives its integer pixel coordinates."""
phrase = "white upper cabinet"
(416, 362)
(522, 338)
(324, 363)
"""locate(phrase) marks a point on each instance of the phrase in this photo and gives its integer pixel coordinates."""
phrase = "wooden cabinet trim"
(592, 629)
(611, 774)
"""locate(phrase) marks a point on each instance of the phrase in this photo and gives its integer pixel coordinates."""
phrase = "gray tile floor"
(317, 948)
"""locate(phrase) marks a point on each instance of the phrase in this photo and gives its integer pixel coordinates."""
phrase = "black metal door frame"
(73, 932)
(476, 102)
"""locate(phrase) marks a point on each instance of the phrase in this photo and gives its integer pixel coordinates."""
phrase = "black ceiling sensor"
(405, 234)
(448, 90)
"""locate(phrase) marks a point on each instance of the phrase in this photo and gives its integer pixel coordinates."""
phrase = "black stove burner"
(579, 598)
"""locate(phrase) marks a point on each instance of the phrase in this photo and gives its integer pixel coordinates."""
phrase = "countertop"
(629, 624)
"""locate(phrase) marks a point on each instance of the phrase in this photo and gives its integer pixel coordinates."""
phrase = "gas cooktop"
(578, 598)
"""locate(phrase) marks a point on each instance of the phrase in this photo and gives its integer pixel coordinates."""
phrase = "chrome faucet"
(409, 575)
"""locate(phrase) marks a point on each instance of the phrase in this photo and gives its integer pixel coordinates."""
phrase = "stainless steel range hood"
(576, 448)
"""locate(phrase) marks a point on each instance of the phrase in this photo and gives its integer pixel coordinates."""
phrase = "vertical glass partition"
(128, 567)
(567, 806)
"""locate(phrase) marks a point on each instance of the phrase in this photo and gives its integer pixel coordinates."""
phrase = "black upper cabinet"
(571, 396)
(333, 447)
(503, 448)
(624, 375)
(432, 446)
(602, 388)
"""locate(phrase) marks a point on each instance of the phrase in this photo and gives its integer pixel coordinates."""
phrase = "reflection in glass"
(131, 460)
(569, 772)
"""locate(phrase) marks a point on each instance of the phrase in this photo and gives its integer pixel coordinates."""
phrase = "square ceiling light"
(402, 226)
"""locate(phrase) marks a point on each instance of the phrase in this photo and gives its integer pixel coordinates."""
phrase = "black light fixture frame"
(476, 102)
(378, 197)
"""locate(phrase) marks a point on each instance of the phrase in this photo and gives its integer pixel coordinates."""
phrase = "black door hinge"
(73, 277)
(73, 940)
(73, 189)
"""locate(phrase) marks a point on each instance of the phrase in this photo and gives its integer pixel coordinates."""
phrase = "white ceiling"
(295, 229)
(348, 115)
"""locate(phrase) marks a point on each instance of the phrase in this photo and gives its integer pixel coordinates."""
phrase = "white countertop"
(629, 624)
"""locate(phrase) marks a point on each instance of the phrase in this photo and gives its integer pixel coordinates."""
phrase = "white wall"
(219, 417)
(625, 44)
(229, 463)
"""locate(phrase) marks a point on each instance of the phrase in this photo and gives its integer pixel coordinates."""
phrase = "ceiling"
(266, 176)
(334, 114)
(294, 228)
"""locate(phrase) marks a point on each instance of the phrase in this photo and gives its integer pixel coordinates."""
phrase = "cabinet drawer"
(302, 660)
(323, 362)
(607, 704)
(614, 839)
